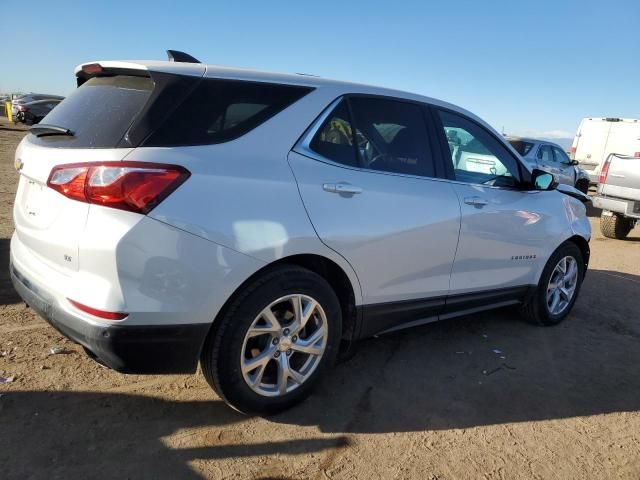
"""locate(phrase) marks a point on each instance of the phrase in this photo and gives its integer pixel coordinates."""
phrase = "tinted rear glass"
(521, 147)
(98, 113)
(392, 136)
(221, 110)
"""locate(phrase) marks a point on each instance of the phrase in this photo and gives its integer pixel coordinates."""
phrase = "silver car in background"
(552, 158)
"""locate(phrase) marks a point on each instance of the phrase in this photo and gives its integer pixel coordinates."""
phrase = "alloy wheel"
(562, 285)
(284, 345)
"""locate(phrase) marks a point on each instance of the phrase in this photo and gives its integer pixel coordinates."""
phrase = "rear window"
(521, 147)
(222, 110)
(98, 113)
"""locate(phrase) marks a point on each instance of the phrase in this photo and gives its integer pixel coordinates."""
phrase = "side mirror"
(574, 162)
(542, 180)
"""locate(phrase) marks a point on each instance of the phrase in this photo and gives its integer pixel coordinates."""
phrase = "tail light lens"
(572, 153)
(22, 108)
(637, 154)
(132, 186)
(604, 171)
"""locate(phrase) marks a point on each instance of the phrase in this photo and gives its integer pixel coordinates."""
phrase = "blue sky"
(533, 68)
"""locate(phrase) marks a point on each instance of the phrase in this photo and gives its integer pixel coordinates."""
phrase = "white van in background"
(596, 138)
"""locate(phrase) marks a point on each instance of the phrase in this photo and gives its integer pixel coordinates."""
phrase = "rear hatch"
(98, 114)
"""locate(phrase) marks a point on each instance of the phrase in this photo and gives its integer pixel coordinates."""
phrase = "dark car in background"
(31, 97)
(32, 112)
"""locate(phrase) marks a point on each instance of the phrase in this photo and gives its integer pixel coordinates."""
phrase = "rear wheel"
(558, 287)
(615, 226)
(274, 341)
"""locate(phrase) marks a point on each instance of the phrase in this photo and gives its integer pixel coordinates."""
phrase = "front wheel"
(274, 341)
(558, 287)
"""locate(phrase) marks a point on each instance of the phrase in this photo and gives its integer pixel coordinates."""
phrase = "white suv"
(170, 213)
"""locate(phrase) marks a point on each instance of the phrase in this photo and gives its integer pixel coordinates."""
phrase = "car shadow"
(101, 435)
(479, 370)
(490, 368)
(8, 295)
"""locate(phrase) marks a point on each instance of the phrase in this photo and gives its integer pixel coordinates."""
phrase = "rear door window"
(391, 136)
(98, 113)
(544, 154)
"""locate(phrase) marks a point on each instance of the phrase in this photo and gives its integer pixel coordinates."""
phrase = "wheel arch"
(583, 245)
(578, 240)
(328, 269)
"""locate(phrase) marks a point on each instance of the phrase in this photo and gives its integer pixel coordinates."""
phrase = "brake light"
(132, 186)
(636, 155)
(22, 108)
(92, 68)
(98, 313)
(604, 171)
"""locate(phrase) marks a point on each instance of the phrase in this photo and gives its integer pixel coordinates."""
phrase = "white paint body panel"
(507, 242)
(400, 234)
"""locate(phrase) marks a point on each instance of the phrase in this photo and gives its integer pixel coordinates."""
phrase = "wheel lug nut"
(276, 354)
(275, 341)
(289, 352)
(294, 339)
(286, 331)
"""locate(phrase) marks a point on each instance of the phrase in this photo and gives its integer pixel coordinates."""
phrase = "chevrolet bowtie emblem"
(18, 164)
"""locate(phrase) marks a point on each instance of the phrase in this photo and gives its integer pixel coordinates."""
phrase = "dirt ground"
(564, 402)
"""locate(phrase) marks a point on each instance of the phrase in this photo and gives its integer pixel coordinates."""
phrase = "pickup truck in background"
(619, 195)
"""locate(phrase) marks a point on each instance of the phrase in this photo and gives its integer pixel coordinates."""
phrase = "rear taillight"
(22, 108)
(133, 186)
(637, 154)
(99, 313)
(604, 171)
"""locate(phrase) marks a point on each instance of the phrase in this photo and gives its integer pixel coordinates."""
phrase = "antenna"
(178, 56)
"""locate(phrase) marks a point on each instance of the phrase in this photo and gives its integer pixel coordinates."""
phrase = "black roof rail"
(178, 56)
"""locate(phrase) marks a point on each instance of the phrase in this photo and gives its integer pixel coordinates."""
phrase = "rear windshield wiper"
(43, 130)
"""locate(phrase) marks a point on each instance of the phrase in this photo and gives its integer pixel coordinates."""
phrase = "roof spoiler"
(178, 56)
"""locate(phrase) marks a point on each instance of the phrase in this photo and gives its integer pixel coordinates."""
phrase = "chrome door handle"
(475, 201)
(345, 188)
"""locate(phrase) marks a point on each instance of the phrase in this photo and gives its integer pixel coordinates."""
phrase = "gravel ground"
(564, 402)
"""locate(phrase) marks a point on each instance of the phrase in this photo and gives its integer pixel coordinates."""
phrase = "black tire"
(536, 310)
(615, 226)
(583, 186)
(220, 359)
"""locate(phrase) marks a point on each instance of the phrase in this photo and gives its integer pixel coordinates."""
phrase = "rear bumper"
(628, 208)
(142, 349)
